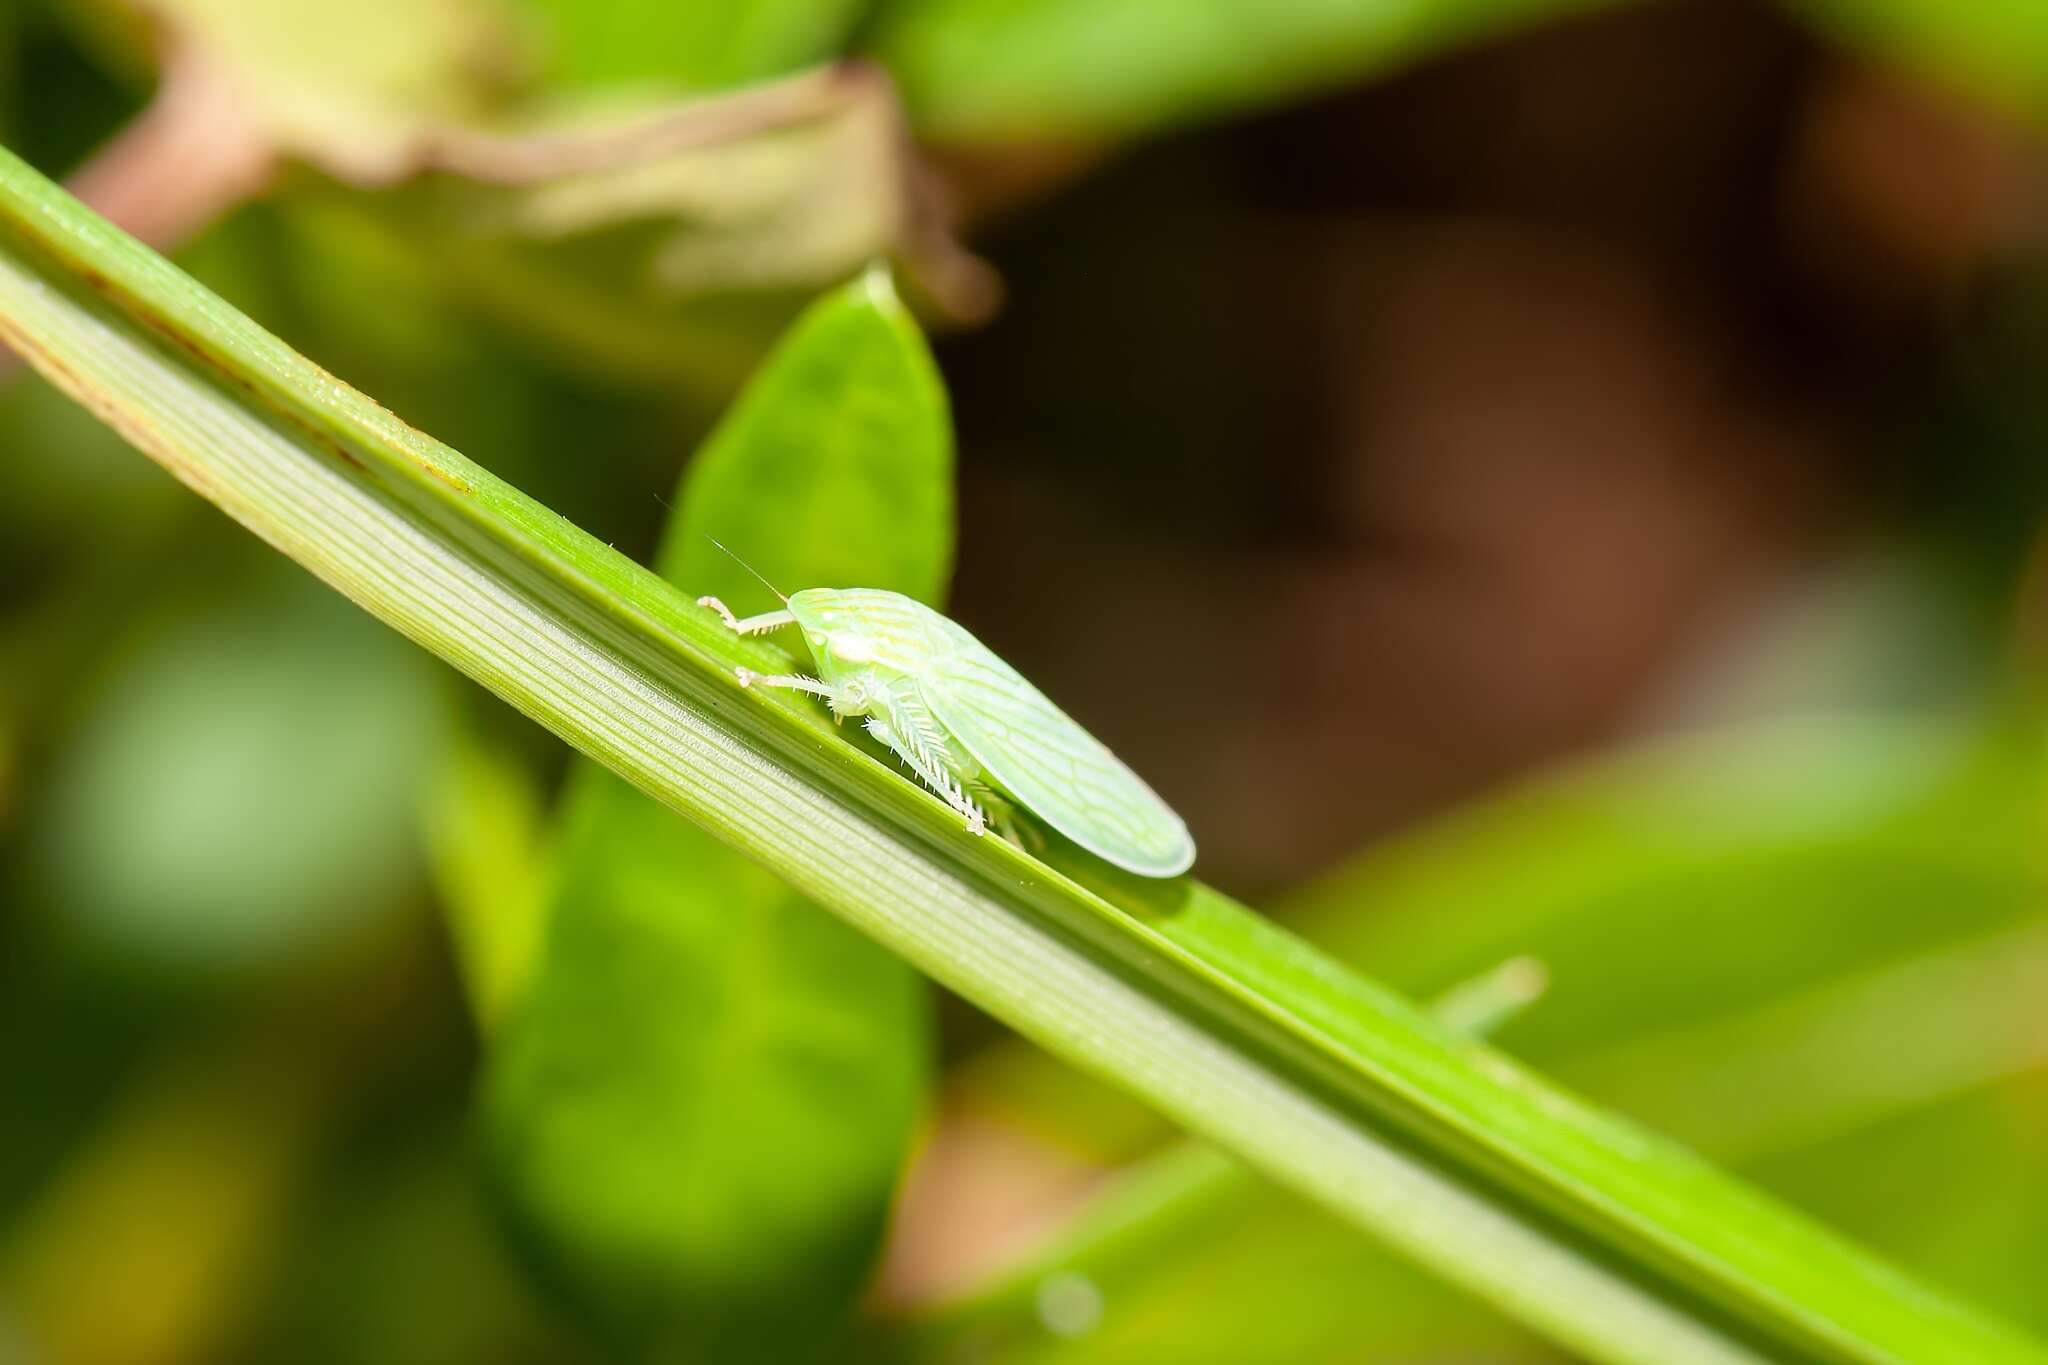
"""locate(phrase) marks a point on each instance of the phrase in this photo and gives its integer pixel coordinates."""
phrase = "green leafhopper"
(968, 724)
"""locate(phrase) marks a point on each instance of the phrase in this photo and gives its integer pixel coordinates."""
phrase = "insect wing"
(1058, 770)
(900, 632)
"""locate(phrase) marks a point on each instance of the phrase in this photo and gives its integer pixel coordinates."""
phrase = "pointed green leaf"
(653, 1110)
(834, 468)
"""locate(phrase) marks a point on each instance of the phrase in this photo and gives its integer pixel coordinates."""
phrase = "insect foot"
(977, 823)
(745, 675)
(731, 622)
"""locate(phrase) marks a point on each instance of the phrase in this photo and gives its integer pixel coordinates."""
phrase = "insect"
(968, 724)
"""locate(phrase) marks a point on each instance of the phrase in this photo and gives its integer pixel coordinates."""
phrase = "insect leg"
(1002, 818)
(749, 625)
(795, 682)
(933, 774)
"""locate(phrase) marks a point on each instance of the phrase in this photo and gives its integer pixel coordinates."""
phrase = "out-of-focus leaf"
(1977, 1212)
(1021, 69)
(1843, 1056)
(1992, 49)
(655, 1106)
(654, 235)
(671, 240)
(241, 785)
(356, 88)
(1621, 1246)
(661, 43)
(1731, 869)
(835, 466)
(483, 825)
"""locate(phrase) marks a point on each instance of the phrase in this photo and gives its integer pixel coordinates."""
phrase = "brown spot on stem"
(344, 454)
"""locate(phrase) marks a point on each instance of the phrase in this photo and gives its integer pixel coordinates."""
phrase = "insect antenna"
(750, 569)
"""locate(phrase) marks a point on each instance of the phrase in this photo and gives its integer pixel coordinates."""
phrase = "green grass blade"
(1614, 1243)
(1154, 1208)
(1738, 927)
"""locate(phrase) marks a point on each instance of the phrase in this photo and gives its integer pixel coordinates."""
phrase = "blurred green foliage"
(1997, 50)
(1077, 69)
(240, 1059)
(688, 47)
(179, 821)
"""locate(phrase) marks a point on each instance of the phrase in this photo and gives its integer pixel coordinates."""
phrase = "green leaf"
(687, 46)
(835, 466)
(1010, 69)
(653, 1111)
(485, 848)
(653, 1114)
(1612, 1242)
(1994, 49)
